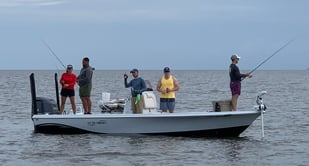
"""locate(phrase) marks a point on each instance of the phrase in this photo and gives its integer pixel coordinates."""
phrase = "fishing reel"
(259, 101)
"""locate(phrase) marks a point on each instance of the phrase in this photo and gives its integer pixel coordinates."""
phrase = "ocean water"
(286, 140)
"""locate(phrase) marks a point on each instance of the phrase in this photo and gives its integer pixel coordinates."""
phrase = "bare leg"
(63, 99)
(72, 99)
(88, 100)
(84, 104)
(234, 102)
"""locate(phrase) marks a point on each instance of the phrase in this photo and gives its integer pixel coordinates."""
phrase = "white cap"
(235, 56)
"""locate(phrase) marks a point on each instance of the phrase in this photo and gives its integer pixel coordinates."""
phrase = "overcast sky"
(152, 34)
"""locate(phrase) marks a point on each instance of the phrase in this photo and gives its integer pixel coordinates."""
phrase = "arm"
(144, 87)
(74, 79)
(80, 79)
(176, 84)
(126, 84)
(159, 87)
(235, 74)
(85, 77)
(242, 75)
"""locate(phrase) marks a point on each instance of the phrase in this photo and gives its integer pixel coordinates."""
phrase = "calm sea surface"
(286, 140)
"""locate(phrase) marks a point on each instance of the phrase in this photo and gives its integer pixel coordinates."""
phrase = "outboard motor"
(41, 105)
(46, 106)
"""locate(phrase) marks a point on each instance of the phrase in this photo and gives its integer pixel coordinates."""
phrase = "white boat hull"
(182, 124)
(47, 119)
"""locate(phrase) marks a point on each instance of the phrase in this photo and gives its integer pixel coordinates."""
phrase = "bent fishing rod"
(56, 79)
(271, 56)
(53, 53)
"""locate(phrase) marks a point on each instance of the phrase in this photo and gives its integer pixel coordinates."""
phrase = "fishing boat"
(47, 119)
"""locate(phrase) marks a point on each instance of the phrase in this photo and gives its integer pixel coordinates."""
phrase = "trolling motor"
(259, 101)
(261, 107)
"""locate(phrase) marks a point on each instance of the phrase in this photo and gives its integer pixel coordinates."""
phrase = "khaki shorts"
(85, 91)
(137, 108)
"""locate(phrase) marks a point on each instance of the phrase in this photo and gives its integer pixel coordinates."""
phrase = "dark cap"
(133, 70)
(69, 67)
(166, 69)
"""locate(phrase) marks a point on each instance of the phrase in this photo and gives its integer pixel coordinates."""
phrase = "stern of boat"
(41, 105)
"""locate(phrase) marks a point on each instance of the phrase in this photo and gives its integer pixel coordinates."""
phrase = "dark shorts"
(85, 91)
(235, 88)
(67, 92)
(167, 104)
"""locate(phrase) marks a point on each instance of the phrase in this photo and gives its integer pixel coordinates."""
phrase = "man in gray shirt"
(85, 85)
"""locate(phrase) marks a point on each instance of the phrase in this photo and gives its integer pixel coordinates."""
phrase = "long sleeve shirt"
(235, 74)
(69, 79)
(85, 76)
(138, 86)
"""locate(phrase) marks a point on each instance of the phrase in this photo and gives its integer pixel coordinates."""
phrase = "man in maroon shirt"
(235, 82)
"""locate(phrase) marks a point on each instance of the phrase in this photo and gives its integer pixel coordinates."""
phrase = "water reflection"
(232, 149)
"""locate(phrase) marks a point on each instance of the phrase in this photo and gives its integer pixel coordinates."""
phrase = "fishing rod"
(56, 76)
(271, 56)
(52, 52)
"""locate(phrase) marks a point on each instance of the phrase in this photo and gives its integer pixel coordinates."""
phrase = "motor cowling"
(46, 106)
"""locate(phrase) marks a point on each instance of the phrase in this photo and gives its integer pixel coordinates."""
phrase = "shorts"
(137, 108)
(167, 104)
(235, 88)
(85, 91)
(67, 92)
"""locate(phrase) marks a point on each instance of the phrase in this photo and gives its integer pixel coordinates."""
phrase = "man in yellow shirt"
(167, 86)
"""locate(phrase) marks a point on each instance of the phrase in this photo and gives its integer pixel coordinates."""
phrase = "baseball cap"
(133, 70)
(69, 67)
(166, 69)
(235, 56)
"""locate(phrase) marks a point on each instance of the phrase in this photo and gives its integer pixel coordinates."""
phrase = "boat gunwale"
(164, 115)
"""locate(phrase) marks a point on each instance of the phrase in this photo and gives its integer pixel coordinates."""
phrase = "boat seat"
(150, 101)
